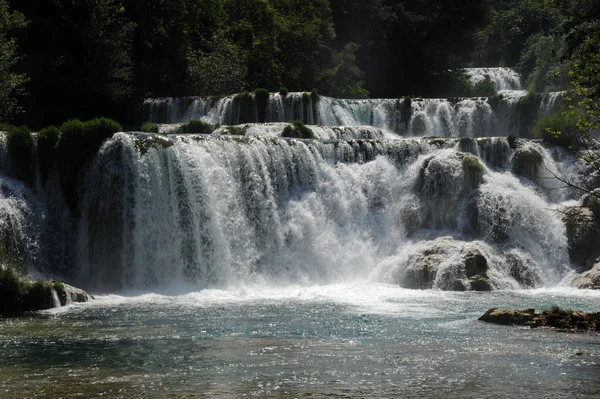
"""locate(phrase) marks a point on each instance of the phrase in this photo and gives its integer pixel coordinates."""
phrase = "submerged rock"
(555, 318)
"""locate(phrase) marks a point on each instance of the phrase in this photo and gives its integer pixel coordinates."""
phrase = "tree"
(11, 83)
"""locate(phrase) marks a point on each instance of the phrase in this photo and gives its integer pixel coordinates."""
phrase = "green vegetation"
(47, 139)
(20, 144)
(79, 141)
(283, 91)
(558, 128)
(149, 127)
(196, 126)
(484, 88)
(298, 130)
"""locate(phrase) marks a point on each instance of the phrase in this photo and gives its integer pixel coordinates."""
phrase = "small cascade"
(548, 102)
(55, 300)
(503, 78)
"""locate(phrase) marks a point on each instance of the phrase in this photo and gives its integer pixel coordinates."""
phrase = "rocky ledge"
(18, 295)
(555, 318)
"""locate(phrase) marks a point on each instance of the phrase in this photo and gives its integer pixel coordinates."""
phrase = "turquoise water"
(341, 341)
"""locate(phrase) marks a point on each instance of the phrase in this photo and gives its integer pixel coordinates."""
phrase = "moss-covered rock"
(473, 171)
(481, 282)
(196, 126)
(47, 139)
(555, 318)
(527, 162)
(18, 295)
(298, 130)
(19, 144)
(262, 99)
(583, 233)
(149, 127)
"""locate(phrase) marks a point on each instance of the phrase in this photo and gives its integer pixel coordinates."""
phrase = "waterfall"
(212, 211)
(503, 78)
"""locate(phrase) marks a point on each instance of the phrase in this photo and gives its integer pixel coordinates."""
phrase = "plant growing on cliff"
(20, 143)
(149, 127)
(196, 126)
(298, 130)
(47, 139)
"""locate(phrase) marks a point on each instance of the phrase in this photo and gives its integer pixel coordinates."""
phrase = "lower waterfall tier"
(202, 211)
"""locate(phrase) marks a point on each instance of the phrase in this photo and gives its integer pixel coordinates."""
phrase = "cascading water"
(503, 78)
(451, 117)
(204, 211)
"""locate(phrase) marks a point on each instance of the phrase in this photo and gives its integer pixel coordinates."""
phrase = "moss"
(283, 91)
(149, 127)
(298, 130)
(243, 96)
(236, 130)
(305, 98)
(12, 290)
(38, 296)
(473, 171)
(513, 141)
(19, 143)
(196, 126)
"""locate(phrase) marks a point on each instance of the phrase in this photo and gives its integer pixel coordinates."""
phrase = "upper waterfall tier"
(508, 112)
(503, 78)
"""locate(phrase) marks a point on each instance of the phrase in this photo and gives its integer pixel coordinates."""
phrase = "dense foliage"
(102, 57)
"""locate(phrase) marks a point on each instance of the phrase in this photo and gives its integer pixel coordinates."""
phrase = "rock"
(583, 233)
(508, 317)
(480, 282)
(527, 161)
(475, 263)
(592, 201)
(523, 269)
(555, 318)
(447, 264)
(589, 279)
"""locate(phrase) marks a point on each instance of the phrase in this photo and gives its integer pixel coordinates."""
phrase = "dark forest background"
(62, 59)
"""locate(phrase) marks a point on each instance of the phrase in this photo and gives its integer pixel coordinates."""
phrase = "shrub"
(11, 291)
(47, 138)
(484, 88)
(283, 91)
(298, 130)
(79, 141)
(149, 127)
(305, 97)
(100, 129)
(513, 141)
(196, 126)
(19, 143)
(243, 97)
(261, 95)
(558, 128)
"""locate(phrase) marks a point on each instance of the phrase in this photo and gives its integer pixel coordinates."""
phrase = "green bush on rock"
(298, 130)
(47, 138)
(79, 141)
(558, 128)
(283, 91)
(19, 143)
(149, 127)
(513, 141)
(484, 88)
(196, 126)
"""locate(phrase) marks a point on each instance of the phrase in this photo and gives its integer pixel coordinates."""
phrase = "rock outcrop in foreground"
(564, 320)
